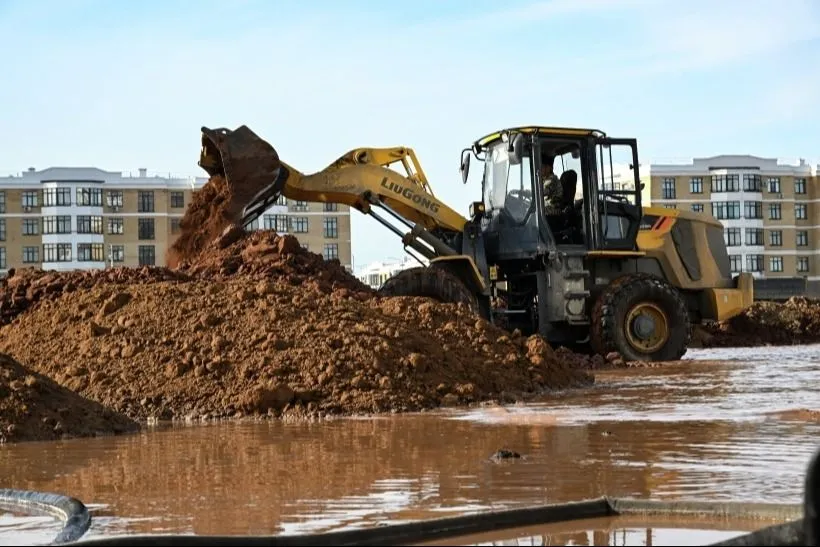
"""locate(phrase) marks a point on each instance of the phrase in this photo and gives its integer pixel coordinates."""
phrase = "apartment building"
(67, 218)
(770, 210)
(376, 273)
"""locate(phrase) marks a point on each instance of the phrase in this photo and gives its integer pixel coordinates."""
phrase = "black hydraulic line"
(71, 512)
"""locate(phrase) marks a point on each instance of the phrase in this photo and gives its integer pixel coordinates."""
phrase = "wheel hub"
(647, 328)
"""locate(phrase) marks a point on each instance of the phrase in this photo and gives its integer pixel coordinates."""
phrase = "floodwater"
(695, 430)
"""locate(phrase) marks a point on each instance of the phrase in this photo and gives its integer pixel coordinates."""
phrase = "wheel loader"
(558, 244)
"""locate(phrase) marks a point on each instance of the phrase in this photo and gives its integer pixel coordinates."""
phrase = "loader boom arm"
(362, 178)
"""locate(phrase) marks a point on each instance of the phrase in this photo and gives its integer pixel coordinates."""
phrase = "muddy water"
(728, 430)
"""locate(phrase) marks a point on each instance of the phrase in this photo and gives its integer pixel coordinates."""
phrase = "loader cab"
(548, 189)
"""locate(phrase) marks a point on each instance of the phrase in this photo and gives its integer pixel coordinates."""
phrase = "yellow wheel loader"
(559, 243)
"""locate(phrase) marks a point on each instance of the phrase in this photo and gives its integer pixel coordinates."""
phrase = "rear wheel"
(432, 282)
(641, 317)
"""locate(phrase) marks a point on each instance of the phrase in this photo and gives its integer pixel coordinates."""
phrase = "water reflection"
(698, 430)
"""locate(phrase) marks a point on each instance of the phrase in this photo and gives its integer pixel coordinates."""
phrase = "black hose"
(453, 527)
(71, 512)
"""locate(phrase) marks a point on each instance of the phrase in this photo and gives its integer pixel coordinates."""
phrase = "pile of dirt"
(24, 288)
(253, 256)
(796, 321)
(34, 408)
(215, 207)
(247, 346)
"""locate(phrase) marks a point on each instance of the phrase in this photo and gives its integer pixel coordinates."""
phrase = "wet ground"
(734, 430)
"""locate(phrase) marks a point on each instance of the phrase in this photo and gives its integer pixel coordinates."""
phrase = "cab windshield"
(507, 185)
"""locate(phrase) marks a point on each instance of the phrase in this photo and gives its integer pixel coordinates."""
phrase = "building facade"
(376, 273)
(67, 218)
(770, 210)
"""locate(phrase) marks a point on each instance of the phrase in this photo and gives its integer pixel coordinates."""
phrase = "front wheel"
(643, 318)
(433, 282)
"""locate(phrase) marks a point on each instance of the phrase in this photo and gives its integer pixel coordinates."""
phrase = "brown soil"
(798, 415)
(260, 326)
(214, 207)
(797, 321)
(34, 408)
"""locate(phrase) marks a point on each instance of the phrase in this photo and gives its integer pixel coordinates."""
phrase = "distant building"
(376, 273)
(68, 218)
(769, 209)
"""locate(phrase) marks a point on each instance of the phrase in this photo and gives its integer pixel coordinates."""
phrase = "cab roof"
(492, 138)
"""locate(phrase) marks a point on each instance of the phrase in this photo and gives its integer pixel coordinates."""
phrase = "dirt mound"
(23, 289)
(214, 207)
(254, 256)
(218, 349)
(265, 254)
(34, 408)
(796, 321)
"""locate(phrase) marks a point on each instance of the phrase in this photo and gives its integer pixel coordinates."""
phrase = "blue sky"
(128, 84)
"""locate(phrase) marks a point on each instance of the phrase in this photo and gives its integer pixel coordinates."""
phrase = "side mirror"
(516, 149)
(465, 165)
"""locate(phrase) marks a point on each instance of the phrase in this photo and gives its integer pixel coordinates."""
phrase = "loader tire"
(617, 324)
(432, 282)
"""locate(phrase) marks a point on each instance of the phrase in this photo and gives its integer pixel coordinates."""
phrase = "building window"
(802, 238)
(732, 237)
(800, 186)
(331, 207)
(669, 188)
(89, 197)
(300, 225)
(281, 200)
(774, 185)
(57, 225)
(175, 225)
(278, 223)
(145, 203)
(2, 258)
(31, 255)
(331, 251)
(30, 199)
(31, 226)
(696, 185)
(735, 263)
(752, 209)
(776, 238)
(90, 252)
(800, 211)
(331, 227)
(300, 206)
(145, 228)
(57, 252)
(726, 210)
(697, 207)
(2, 202)
(752, 183)
(774, 211)
(670, 206)
(177, 200)
(116, 253)
(802, 264)
(754, 236)
(725, 183)
(89, 224)
(147, 255)
(754, 263)
(116, 225)
(2, 229)
(114, 199)
(776, 263)
(57, 197)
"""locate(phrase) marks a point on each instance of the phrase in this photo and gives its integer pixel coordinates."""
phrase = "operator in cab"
(552, 185)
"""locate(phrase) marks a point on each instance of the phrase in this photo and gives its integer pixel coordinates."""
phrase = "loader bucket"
(249, 165)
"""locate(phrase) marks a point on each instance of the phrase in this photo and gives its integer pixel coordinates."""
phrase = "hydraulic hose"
(71, 512)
